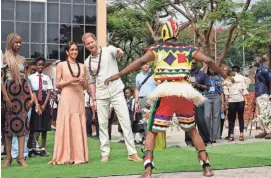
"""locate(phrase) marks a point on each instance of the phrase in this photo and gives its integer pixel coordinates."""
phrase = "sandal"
(230, 139)
(241, 138)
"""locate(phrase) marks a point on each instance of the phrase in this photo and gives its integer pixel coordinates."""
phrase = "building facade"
(47, 25)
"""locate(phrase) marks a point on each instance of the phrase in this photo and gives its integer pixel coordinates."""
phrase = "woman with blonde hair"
(17, 96)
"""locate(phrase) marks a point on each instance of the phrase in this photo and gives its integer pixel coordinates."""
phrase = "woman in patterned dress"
(17, 96)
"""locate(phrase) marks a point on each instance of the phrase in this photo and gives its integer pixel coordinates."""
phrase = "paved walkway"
(175, 137)
(258, 172)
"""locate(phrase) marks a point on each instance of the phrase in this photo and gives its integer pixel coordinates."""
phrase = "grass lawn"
(169, 160)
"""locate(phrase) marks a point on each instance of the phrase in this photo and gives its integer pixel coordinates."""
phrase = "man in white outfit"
(100, 65)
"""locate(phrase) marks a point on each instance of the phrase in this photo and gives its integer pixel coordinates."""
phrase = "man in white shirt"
(100, 65)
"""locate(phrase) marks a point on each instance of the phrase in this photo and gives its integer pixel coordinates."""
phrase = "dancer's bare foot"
(207, 172)
(147, 173)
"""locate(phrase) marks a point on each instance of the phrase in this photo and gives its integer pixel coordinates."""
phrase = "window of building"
(7, 10)
(46, 27)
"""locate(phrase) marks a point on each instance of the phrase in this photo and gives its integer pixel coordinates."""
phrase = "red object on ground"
(250, 111)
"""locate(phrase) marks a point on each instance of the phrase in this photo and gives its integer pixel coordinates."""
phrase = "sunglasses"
(194, 63)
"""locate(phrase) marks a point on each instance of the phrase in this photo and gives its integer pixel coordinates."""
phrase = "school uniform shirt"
(53, 102)
(46, 82)
(131, 104)
(88, 99)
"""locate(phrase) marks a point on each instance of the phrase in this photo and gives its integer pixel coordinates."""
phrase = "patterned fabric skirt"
(16, 120)
(163, 110)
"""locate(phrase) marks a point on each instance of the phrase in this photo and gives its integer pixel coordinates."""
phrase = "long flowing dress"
(16, 119)
(71, 137)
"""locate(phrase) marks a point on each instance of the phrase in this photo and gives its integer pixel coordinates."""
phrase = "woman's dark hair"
(209, 73)
(235, 69)
(68, 46)
(41, 58)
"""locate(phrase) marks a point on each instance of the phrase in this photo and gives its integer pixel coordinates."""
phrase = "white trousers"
(260, 104)
(120, 106)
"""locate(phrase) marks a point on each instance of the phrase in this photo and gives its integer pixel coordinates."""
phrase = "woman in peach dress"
(71, 138)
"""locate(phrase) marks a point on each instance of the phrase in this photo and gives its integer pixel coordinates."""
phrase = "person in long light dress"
(71, 138)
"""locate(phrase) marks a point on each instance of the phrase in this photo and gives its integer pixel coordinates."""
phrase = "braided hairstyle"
(10, 57)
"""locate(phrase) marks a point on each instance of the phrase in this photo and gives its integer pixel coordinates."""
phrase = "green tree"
(127, 30)
(135, 24)
(255, 27)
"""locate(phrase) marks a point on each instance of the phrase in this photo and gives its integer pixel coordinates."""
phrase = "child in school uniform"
(41, 114)
(132, 114)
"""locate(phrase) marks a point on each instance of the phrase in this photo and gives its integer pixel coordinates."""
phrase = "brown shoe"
(261, 135)
(135, 157)
(105, 159)
(268, 136)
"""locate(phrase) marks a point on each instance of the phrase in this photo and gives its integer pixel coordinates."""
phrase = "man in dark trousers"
(199, 80)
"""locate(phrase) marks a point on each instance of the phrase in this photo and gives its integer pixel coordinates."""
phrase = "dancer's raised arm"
(135, 65)
(210, 63)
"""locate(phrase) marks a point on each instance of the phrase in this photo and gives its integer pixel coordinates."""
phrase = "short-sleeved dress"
(16, 120)
(71, 137)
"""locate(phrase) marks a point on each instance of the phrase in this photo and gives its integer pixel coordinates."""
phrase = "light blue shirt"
(148, 86)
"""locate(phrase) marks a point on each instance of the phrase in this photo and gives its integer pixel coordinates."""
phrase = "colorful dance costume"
(173, 94)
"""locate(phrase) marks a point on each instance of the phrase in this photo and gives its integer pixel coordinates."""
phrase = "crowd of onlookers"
(224, 103)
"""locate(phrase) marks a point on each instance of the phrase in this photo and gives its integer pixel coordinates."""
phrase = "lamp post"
(244, 58)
